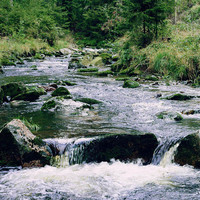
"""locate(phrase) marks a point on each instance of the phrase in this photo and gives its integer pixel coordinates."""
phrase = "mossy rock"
(27, 96)
(104, 73)
(64, 83)
(61, 91)
(1, 70)
(48, 105)
(122, 78)
(98, 61)
(31, 94)
(89, 70)
(106, 58)
(13, 89)
(170, 115)
(33, 67)
(131, 84)
(123, 147)
(151, 78)
(88, 101)
(76, 66)
(179, 97)
(188, 152)
(38, 56)
(6, 62)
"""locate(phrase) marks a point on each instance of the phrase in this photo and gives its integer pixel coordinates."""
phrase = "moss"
(151, 78)
(1, 95)
(38, 56)
(61, 91)
(33, 67)
(38, 141)
(131, 84)
(179, 97)
(89, 70)
(106, 57)
(48, 105)
(6, 62)
(178, 118)
(88, 101)
(104, 73)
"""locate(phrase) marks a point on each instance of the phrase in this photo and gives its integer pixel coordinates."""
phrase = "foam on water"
(101, 181)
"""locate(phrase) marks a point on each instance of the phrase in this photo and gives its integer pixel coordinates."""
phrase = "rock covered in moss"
(19, 147)
(13, 89)
(61, 91)
(104, 73)
(48, 105)
(106, 58)
(123, 147)
(179, 97)
(188, 151)
(88, 101)
(31, 94)
(89, 70)
(131, 84)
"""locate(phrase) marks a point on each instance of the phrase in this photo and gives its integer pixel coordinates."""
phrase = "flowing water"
(122, 111)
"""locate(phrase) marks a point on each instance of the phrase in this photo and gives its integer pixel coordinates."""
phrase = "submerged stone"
(19, 147)
(131, 84)
(188, 152)
(120, 147)
(61, 91)
(179, 97)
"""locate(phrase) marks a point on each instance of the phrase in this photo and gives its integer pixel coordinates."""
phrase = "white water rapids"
(115, 180)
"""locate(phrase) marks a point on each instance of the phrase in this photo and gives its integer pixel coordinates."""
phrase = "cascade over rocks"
(188, 152)
(19, 147)
(123, 147)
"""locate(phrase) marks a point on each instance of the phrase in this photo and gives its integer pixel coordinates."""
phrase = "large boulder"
(19, 147)
(179, 97)
(123, 147)
(188, 151)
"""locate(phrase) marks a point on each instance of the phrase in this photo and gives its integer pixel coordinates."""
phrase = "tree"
(145, 17)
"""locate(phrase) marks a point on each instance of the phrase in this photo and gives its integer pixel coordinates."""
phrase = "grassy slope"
(178, 58)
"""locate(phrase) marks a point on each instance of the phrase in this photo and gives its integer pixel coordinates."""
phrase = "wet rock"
(66, 51)
(30, 94)
(48, 88)
(64, 104)
(131, 84)
(188, 152)
(179, 97)
(19, 147)
(169, 115)
(61, 91)
(120, 147)
(13, 89)
(190, 112)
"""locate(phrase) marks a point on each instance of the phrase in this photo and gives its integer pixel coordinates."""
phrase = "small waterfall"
(169, 156)
(67, 152)
(161, 151)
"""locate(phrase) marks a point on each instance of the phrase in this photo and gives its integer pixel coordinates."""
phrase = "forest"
(158, 36)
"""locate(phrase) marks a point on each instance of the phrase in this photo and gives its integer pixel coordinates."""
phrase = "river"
(123, 111)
